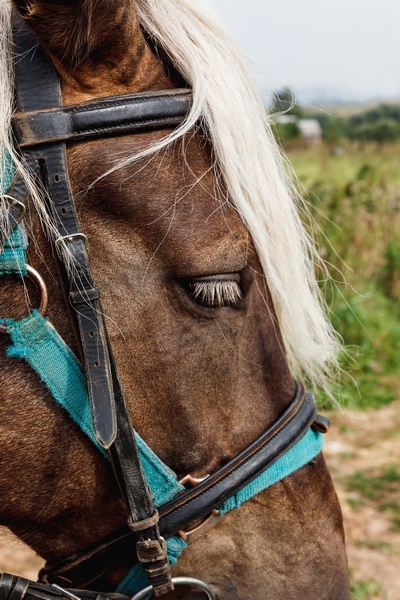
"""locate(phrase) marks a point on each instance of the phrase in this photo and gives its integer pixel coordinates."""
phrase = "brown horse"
(201, 341)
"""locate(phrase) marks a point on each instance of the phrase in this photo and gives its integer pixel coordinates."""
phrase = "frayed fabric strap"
(13, 253)
(35, 340)
(13, 240)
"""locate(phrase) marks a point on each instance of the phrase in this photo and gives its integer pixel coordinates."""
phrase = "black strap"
(49, 161)
(189, 506)
(130, 113)
(13, 587)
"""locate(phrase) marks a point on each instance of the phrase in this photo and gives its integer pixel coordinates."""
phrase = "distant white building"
(310, 129)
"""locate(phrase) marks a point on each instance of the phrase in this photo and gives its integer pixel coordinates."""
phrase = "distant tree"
(333, 130)
(284, 101)
(383, 130)
(286, 131)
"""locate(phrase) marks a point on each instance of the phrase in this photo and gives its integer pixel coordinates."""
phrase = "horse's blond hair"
(246, 157)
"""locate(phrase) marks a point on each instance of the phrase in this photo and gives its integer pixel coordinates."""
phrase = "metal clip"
(13, 202)
(68, 239)
(201, 526)
(151, 550)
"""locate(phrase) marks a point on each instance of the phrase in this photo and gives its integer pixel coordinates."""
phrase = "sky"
(347, 48)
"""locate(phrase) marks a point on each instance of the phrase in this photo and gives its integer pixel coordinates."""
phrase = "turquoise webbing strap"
(8, 172)
(12, 255)
(35, 340)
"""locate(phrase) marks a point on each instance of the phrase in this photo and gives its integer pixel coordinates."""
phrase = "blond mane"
(246, 158)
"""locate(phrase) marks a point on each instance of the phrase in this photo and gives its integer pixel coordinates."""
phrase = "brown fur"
(201, 383)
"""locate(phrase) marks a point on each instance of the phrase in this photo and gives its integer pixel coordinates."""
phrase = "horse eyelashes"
(216, 292)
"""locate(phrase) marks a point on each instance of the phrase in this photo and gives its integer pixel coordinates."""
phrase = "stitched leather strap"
(19, 588)
(49, 161)
(189, 506)
(106, 116)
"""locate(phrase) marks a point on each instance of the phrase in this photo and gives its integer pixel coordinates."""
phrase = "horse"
(209, 297)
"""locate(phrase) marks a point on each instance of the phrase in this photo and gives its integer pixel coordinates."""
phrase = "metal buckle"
(9, 221)
(198, 530)
(200, 526)
(180, 581)
(149, 551)
(70, 238)
(37, 278)
(14, 202)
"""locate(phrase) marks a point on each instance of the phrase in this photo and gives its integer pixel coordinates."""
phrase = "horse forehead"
(171, 201)
(191, 223)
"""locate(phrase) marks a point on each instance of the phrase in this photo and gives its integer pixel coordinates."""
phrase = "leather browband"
(105, 116)
(197, 502)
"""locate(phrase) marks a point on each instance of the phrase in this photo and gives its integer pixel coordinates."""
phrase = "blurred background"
(329, 76)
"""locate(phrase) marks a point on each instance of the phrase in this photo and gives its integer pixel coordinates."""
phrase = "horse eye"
(216, 291)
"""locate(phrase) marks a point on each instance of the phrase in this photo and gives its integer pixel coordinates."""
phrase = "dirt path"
(363, 452)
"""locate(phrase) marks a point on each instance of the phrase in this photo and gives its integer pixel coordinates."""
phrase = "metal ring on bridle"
(41, 286)
(180, 581)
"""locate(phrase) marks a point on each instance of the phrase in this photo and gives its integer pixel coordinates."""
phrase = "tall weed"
(354, 197)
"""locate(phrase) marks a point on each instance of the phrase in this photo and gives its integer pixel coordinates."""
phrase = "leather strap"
(130, 113)
(197, 502)
(13, 587)
(50, 164)
(49, 161)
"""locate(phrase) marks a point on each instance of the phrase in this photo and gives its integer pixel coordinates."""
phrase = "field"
(353, 192)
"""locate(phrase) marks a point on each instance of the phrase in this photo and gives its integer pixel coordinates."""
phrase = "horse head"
(187, 263)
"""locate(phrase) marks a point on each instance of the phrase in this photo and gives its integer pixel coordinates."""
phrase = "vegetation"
(377, 488)
(354, 197)
(369, 589)
(380, 123)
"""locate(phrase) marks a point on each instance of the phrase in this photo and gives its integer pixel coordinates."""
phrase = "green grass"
(382, 489)
(354, 200)
(369, 589)
(374, 487)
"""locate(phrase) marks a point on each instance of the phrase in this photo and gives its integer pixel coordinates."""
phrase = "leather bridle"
(42, 127)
